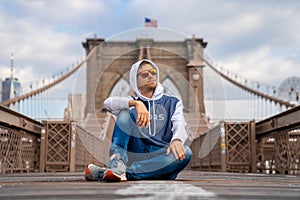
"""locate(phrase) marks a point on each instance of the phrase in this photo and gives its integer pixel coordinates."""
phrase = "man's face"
(146, 77)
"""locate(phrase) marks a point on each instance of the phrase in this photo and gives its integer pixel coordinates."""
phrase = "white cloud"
(261, 66)
(250, 38)
(57, 12)
(37, 46)
(48, 33)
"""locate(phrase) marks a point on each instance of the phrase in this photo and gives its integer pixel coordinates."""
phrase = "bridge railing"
(207, 151)
(268, 146)
(19, 151)
(19, 142)
(278, 143)
(27, 145)
(70, 147)
(227, 147)
(90, 149)
(279, 152)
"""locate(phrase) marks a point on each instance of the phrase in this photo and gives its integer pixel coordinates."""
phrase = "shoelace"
(117, 165)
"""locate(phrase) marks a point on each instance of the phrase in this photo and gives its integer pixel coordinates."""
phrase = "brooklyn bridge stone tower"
(179, 61)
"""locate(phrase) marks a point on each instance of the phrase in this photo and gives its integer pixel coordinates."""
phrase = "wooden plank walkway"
(189, 185)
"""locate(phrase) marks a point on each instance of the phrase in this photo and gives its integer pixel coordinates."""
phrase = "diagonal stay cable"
(244, 87)
(48, 86)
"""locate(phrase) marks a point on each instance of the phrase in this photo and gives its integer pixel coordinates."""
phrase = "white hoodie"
(166, 112)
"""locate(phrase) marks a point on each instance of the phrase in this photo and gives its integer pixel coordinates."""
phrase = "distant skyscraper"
(10, 89)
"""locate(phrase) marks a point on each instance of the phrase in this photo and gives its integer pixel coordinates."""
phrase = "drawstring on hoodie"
(153, 118)
(149, 128)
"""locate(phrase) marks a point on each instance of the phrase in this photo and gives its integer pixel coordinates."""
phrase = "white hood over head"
(158, 93)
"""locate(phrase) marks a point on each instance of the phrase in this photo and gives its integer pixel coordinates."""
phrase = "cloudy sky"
(258, 39)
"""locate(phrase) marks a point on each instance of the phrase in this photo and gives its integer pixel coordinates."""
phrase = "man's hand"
(177, 149)
(143, 116)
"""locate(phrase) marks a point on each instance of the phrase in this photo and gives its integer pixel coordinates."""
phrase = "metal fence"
(56, 147)
(269, 146)
(19, 142)
(226, 147)
(69, 147)
(207, 151)
(278, 143)
(279, 152)
(90, 149)
(19, 151)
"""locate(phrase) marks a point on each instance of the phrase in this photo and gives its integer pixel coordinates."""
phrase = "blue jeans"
(143, 161)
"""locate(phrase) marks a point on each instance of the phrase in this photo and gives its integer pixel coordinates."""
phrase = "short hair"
(145, 62)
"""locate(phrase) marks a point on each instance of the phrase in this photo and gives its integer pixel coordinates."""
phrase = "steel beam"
(282, 121)
(14, 119)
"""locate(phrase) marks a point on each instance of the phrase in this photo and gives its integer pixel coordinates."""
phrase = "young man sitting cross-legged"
(149, 133)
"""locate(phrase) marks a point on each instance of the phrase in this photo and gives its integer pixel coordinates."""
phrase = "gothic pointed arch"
(121, 88)
(171, 87)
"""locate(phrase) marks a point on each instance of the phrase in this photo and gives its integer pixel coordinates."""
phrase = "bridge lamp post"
(196, 77)
(195, 69)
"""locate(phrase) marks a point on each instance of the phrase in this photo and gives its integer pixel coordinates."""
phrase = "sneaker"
(112, 176)
(116, 171)
(94, 173)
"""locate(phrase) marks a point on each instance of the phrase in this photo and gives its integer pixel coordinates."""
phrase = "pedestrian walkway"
(189, 185)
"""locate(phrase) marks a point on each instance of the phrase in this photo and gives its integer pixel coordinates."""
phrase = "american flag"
(150, 22)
